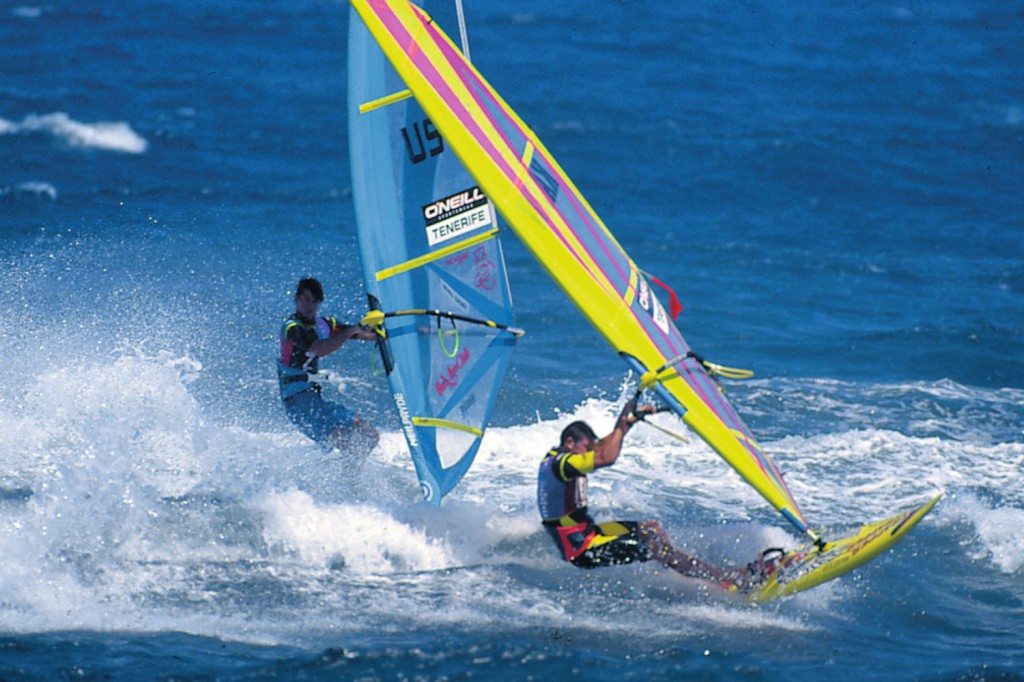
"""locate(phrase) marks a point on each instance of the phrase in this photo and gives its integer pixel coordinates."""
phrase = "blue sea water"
(834, 189)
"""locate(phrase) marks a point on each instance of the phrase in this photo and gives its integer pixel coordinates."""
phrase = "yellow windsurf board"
(804, 568)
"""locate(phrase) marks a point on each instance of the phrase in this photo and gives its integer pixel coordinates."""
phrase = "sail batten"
(427, 258)
(447, 424)
(367, 107)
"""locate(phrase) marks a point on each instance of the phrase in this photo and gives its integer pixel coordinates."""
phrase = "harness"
(293, 381)
(296, 362)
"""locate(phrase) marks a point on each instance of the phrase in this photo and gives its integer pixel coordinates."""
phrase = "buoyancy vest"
(559, 493)
(297, 362)
(562, 500)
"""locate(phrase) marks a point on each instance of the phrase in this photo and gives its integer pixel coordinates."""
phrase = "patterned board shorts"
(317, 418)
(626, 548)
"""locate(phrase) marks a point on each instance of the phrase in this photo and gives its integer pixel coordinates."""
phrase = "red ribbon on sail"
(674, 306)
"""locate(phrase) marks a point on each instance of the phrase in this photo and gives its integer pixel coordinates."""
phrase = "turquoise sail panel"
(433, 264)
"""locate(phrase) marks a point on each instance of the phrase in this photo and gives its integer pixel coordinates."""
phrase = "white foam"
(33, 189)
(1000, 531)
(139, 410)
(104, 445)
(364, 539)
(105, 135)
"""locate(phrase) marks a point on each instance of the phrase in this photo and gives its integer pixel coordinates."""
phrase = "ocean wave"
(123, 491)
(942, 408)
(27, 12)
(999, 531)
(104, 135)
(140, 407)
(357, 537)
(42, 190)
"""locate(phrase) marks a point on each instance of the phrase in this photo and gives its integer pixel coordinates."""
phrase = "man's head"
(309, 294)
(578, 438)
(312, 286)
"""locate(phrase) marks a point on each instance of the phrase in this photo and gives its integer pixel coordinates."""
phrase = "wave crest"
(106, 135)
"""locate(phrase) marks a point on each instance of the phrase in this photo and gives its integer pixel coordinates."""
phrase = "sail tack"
(433, 269)
(563, 232)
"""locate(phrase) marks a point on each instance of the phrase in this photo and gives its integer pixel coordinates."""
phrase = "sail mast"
(463, 34)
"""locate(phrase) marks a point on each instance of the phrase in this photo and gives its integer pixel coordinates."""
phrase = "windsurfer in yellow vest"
(305, 338)
(562, 500)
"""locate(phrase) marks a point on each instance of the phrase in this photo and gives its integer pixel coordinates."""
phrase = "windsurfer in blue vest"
(562, 500)
(305, 338)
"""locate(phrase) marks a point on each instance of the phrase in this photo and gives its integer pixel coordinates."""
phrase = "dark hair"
(314, 287)
(577, 431)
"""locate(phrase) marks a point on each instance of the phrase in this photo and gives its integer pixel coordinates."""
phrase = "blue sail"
(433, 268)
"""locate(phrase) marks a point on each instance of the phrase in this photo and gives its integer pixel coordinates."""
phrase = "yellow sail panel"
(562, 231)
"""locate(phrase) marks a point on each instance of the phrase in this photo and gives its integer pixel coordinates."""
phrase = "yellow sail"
(550, 215)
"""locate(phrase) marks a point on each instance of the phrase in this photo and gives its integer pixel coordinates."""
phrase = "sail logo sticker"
(454, 299)
(660, 318)
(456, 215)
(449, 379)
(406, 419)
(486, 270)
(419, 153)
(645, 294)
(544, 178)
(650, 303)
